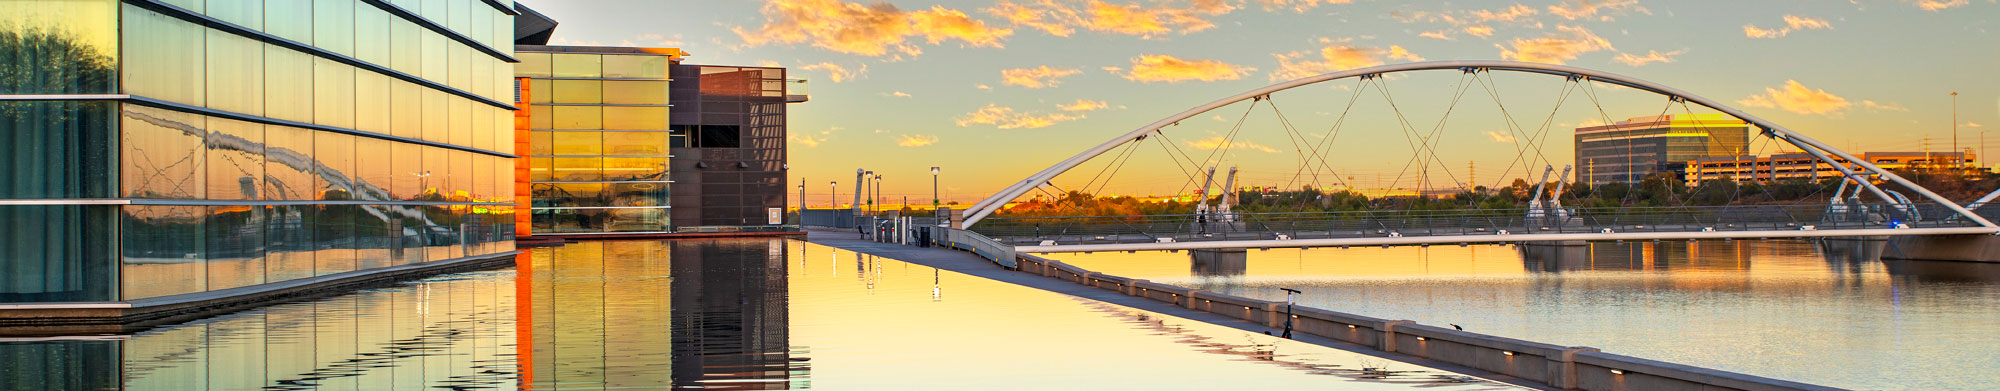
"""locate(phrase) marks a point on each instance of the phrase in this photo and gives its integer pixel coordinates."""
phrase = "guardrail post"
(1132, 287)
(1565, 367)
(1274, 314)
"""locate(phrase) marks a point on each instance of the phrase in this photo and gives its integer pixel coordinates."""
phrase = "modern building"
(1800, 166)
(629, 141)
(169, 152)
(598, 138)
(1631, 150)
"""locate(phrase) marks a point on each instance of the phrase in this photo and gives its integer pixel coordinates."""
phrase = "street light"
(802, 197)
(934, 188)
(877, 193)
(833, 194)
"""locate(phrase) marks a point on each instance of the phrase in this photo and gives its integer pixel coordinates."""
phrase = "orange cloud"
(1513, 13)
(869, 30)
(1300, 6)
(835, 72)
(1164, 68)
(806, 140)
(1585, 9)
(1565, 45)
(915, 140)
(1792, 23)
(1479, 31)
(1084, 105)
(1797, 98)
(1935, 5)
(899, 94)
(1146, 21)
(1007, 118)
(1212, 143)
(1437, 35)
(1499, 137)
(1652, 56)
(1342, 57)
(1037, 77)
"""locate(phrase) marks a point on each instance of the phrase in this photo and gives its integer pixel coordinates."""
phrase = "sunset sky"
(993, 91)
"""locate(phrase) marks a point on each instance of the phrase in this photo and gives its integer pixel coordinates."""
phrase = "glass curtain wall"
(241, 160)
(598, 141)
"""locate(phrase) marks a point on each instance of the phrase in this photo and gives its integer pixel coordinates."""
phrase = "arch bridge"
(1890, 213)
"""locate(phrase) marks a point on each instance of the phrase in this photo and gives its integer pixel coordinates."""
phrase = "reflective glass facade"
(597, 138)
(1630, 150)
(196, 145)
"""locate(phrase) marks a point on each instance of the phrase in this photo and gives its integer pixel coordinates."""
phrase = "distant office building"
(628, 141)
(598, 138)
(1800, 166)
(1630, 150)
(165, 148)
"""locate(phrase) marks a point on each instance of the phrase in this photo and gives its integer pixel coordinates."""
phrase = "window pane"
(235, 73)
(289, 242)
(541, 117)
(635, 67)
(374, 168)
(635, 118)
(289, 166)
(335, 28)
(407, 171)
(406, 109)
(288, 84)
(577, 91)
(532, 65)
(436, 128)
(371, 102)
(59, 149)
(570, 220)
(578, 169)
(334, 232)
(77, 46)
(484, 133)
(436, 179)
(541, 143)
(406, 53)
(540, 91)
(461, 175)
(577, 143)
(163, 153)
(235, 244)
(164, 57)
(638, 194)
(635, 92)
(578, 117)
(635, 168)
(459, 120)
(289, 19)
(539, 170)
(162, 252)
(371, 34)
(70, 260)
(333, 93)
(578, 65)
(236, 159)
(335, 153)
(635, 143)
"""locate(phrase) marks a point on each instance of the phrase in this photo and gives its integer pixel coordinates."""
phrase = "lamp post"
(1954, 132)
(877, 193)
(934, 188)
(802, 197)
(833, 194)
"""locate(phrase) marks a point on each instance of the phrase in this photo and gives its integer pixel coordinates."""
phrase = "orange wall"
(523, 217)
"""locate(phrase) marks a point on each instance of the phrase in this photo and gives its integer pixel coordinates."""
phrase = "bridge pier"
(1963, 248)
(1219, 262)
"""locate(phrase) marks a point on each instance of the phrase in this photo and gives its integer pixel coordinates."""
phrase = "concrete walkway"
(969, 264)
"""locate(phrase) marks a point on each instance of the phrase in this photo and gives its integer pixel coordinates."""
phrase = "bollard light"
(1617, 372)
(1509, 354)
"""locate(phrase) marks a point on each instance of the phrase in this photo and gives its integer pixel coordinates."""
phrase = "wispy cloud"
(1935, 5)
(1212, 143)
(1084, 105)
(1300, 6)
(1880, 106)
(1587, 9)
(1499, 137)
(1792, 23)
(1060, 18)
(1798, 98)
(806, 140)
(1004, 117)
(1337, 57)
(879, 29)
(1437, 35)
(1478, 31)
(899, 94)
(837, 73)
(1513, 13)
(915, 140)
(1555, 48)
(1971, 124)
(1652, 56)
(1164, 68)
(1037, 77)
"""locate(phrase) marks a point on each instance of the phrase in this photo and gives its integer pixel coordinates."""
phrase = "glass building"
(168, 147)
(1630, 150)
(598, 138)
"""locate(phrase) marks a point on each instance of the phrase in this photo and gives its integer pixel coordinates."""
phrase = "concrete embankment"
(1562, 367)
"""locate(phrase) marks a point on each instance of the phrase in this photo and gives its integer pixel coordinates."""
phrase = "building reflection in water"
(596, 315)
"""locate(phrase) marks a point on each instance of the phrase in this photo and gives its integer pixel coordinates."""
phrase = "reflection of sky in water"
(652, 314)
(1832, 314)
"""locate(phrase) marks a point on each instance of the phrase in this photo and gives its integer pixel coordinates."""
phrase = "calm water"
(721, 314)
(1831, 314)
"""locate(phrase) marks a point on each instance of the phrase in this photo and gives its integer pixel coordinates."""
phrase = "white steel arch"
(991, 204)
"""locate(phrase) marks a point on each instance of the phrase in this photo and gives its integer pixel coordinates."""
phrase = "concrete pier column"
(1388, 341)
(1222, 262)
